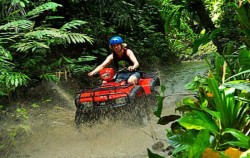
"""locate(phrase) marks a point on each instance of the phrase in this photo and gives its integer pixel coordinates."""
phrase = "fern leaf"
(41, 8)
(72, 24)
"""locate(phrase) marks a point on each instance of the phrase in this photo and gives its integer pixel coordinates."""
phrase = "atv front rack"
(114, 96)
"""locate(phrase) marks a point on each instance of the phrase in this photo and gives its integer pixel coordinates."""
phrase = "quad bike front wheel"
(141, 110)
(78, 117)
(86, 117)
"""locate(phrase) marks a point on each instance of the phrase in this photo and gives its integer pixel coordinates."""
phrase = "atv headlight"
(121, 100)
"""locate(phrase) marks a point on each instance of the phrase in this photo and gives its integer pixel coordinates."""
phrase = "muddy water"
(53, 133)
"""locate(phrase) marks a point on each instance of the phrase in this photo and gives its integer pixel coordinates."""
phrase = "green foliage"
(49, 77)
(73, 24)
(243, 12)
(242, 140)
(244, 58)
(19, 2)
(18, 25)
(217, 112)
(44, 7)
(76, 66)
(32, 46)
(220, 109)
(26, 48)
(204, 39)
(10, 81)
(136, 21)
(200, 143)
(198, 121)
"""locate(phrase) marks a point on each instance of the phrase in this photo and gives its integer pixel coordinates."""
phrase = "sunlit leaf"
(191, 101)
(198, 121)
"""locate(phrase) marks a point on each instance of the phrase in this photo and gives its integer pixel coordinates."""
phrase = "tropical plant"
(218, 117)
(26, 47)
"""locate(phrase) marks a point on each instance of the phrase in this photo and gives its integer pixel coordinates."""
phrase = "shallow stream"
(54, 135)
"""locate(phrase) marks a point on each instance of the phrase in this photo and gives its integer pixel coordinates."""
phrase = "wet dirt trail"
(53, 133)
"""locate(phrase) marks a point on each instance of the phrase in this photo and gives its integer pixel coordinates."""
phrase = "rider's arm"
(106, 62)
(132, 57)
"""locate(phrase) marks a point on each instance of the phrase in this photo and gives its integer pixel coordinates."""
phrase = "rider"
(120, 53)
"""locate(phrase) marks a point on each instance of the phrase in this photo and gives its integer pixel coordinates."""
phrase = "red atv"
(116, 94)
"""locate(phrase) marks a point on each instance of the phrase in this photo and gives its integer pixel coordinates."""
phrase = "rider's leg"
(134, 78)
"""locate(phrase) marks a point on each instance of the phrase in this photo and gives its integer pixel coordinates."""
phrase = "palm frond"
(41, 8)
(72, 24)
(77, 38)
(53, 17)
(5, 58)
(49, 77)
(19, 24)
(33, 46)
(5, 53)
(43, 34)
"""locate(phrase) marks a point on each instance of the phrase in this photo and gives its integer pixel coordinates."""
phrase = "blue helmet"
(116, 40)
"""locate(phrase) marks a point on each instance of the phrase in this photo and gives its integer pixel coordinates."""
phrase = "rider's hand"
(90, 74)
(131, 68)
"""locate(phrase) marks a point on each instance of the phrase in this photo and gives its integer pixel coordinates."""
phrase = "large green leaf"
(220, 102)
(198, 121)
(243, 141)
(214, 114)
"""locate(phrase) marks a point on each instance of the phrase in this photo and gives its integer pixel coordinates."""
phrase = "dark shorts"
(125, 76)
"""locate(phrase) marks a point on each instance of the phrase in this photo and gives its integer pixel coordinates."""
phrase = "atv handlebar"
(125, 69)
(96, 74)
